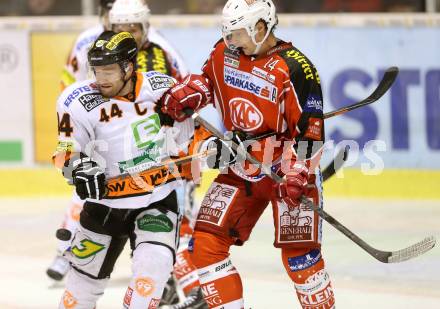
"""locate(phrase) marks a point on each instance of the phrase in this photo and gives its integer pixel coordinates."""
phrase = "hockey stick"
(171, 164)
(327, 173)
(387, 81)
(398, 256)
(383, 86)
(382, 256)
(336, 164)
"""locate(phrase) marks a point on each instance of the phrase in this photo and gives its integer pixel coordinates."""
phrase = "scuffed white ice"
(27, 246)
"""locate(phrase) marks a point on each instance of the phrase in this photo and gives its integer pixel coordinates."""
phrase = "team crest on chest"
(245, 115)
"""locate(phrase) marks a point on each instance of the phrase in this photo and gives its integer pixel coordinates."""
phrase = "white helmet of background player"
(104, 8)
(131, 12)
(245, 14)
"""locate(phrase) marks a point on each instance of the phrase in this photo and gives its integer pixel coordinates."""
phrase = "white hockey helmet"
(130, 12)
(239, 14)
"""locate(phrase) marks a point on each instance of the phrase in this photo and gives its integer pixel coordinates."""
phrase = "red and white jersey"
(276, 92)
(76, 68)
(123, 135)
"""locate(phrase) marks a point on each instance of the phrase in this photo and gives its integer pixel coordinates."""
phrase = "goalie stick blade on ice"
(387, 81)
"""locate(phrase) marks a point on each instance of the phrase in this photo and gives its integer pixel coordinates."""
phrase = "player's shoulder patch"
(299, 65)
(85, 93)
(157, 80)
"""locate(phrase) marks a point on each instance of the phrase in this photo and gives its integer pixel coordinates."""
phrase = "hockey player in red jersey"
(259, 84)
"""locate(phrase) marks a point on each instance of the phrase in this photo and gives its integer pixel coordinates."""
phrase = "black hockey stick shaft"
(382, 256)
(386, 82)
(328, 172)
(384, 85)
(377, 254)
(336, 164)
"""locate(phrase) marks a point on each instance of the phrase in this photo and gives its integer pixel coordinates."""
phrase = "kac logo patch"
(245, 115)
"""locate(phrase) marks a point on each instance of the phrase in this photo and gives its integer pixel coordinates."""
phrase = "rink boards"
(349, 183)
(397, 139)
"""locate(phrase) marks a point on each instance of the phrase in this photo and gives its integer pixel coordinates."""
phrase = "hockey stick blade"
(383, 256)
(387, 81)
(336, 164)
(412, 251)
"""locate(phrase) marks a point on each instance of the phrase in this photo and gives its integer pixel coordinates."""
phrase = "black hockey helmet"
(111, 47)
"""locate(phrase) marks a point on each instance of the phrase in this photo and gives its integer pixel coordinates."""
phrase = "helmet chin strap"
(258, 45)
(125, 81)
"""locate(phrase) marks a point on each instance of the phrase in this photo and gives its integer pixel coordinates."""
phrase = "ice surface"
(27, 246)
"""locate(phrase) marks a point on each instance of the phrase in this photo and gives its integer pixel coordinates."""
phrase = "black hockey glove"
(225, 155)
(89, 180)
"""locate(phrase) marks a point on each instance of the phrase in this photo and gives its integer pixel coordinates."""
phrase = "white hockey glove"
(89, 180)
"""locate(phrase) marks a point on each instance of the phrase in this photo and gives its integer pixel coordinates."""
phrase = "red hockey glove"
(192, 93)
(294, 187)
